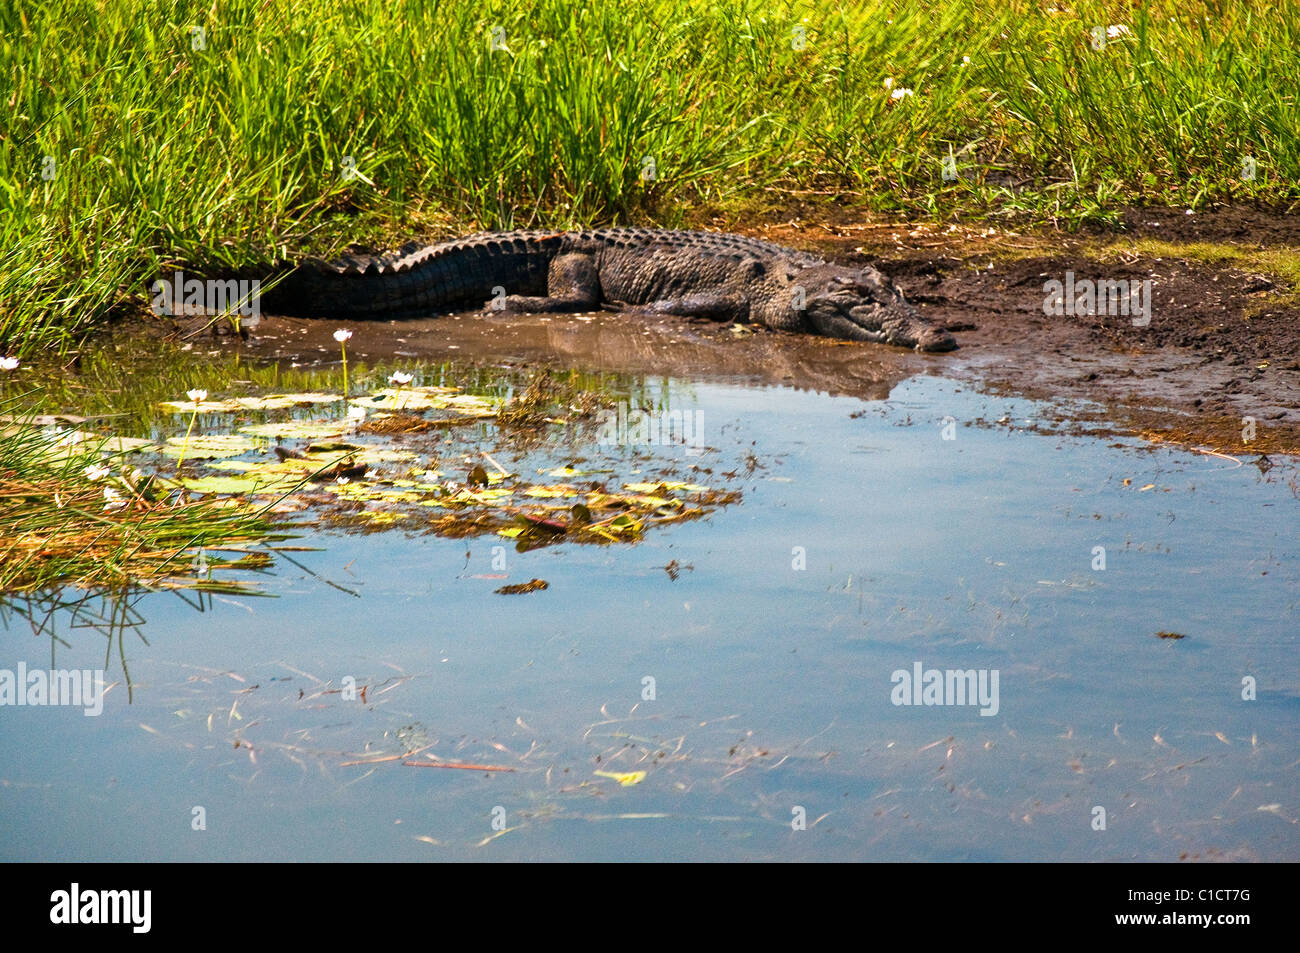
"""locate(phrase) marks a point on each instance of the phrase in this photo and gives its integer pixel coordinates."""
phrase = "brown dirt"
(1223, 341)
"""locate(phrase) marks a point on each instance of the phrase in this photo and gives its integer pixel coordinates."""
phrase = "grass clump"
(72, 515)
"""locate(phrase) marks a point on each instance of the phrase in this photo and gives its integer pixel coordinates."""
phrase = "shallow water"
(866, 543)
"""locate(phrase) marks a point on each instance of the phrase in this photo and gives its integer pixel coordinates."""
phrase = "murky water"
(756, 689)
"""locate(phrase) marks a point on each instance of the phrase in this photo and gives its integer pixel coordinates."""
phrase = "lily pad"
(473, 404)
(386, 455)
(654, 501)
(71, 442)
(129, 445)
(429, 398)
(203, 406)
(381, 517)
(224, 485)
(551, 492)
(285, 401)
(484, 495)
(665, 485)
(302, 429)
(206, 446)
(390, 399)
(623, 526)
(368, 491)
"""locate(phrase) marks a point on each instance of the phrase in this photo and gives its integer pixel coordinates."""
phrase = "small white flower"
(342, 334)
(8, 363)
(888, 82)
(113, 500)
(900, 93)
(1114, 31)
(965, 60)
(398, 377)
(197, 395)
(95, 472)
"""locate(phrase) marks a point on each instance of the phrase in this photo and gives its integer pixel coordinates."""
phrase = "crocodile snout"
(901, 326)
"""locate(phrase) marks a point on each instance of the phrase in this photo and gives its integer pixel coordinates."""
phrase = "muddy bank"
(1222, 343)
(1200, 367)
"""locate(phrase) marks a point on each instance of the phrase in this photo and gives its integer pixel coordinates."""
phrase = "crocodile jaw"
(904, 328)
(894, 323)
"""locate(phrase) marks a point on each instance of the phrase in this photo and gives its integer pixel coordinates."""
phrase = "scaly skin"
(709, 274)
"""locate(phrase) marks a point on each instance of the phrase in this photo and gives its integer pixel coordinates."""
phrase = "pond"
(734, 687)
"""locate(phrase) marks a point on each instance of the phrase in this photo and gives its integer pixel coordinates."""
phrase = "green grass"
(238, 153)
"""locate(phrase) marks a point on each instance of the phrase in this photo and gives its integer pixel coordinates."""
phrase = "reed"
(73, 514)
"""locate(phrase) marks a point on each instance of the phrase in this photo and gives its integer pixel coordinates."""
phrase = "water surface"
(866, 543)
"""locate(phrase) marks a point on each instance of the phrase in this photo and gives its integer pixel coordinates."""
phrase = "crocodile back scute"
(466, 272)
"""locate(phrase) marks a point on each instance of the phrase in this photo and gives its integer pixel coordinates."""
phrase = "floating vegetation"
(533, 585)
(413, 399)
(352, 473)
(625, 778)
(216, 470)
(269, 402)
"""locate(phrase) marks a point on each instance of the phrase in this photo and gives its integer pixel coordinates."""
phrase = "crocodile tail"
(418, 281)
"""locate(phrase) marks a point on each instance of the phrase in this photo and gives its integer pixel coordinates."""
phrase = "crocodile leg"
(573, 284)
(714, 307)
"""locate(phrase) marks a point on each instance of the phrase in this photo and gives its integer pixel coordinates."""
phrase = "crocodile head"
(861, 305)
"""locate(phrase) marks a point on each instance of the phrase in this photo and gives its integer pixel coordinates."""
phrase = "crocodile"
(712, 275)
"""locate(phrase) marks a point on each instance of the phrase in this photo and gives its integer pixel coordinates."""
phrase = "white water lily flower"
(398, 377)
(8, 363)
(342, 334)
(900, 93)
(96, 472)
(113, 500)
(197, 395)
